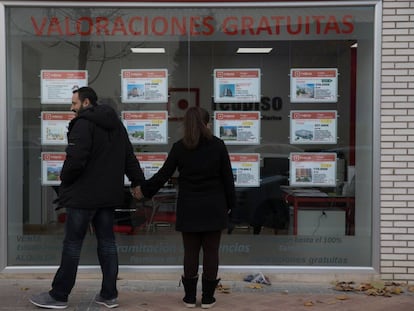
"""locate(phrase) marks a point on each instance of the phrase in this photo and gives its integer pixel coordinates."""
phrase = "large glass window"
(293, 215)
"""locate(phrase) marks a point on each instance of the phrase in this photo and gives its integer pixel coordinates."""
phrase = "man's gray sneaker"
(109, 303)
(44, 300)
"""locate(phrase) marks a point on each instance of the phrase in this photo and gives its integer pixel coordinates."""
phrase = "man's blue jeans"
(76, 226)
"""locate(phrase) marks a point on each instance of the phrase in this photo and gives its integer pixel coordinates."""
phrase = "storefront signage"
(237, 128)
(144, 85)
(314, 85)
(245, 169)
(57, 86)
(55, 127)
(313, 169)
(236, 85)
(193, 25)
(313, 127)
(180, 99)
(52, 163)
(266, 105)
(146, 127)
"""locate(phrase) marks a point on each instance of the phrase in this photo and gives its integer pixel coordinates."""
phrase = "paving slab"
(154, 295)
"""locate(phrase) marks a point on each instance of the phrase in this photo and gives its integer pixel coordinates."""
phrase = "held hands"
(137, 193)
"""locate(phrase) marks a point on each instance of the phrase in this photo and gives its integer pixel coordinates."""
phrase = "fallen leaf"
(344, 286)
(392, 283)
(223, 289)
(396, 290)
(342, 297)
(364, 286)
(381, 292)
(308, 304)
(371, 292)
(378, 284)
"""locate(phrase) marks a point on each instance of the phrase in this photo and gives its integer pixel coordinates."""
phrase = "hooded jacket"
(98, 155)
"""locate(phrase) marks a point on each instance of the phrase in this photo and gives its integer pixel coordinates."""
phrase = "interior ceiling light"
(254, 50)
(355, 45)
(148, 50)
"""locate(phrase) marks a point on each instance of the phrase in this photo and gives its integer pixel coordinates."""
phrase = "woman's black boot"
(190, 289)
(209, 286)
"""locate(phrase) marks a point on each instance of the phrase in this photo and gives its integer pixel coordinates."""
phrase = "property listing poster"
(52, 163)
(146, 127)
(55, 127)
(237, 85)
(150, 163)
(313, 169)
(313, 127)
(57, 86)
(237, 128)
(246, 169)
(144, 85)
(314, 85)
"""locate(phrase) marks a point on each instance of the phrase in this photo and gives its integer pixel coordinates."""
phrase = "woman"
(205, 198)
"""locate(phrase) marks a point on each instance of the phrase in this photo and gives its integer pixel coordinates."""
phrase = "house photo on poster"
(144, 85)
(314, 85)
(313, 126)
(237, 85)
(52, 163)
(237, 127)
(55, 127)
(313, 169)
(245, 168)
(146, 127)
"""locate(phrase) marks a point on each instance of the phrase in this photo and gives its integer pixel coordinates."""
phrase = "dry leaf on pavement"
(223, 289)
(342, 297)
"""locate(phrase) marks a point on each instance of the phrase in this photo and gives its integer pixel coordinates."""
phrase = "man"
(98, 155)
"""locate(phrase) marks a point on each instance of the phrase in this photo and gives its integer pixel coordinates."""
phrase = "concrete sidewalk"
(166, 296)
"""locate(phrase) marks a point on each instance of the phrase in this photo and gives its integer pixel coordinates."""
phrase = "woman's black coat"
(206, 190)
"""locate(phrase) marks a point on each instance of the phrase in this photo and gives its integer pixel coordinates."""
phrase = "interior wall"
(189, 67)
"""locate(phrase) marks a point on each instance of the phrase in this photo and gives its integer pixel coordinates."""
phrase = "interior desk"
(305, 200)
(149, 209)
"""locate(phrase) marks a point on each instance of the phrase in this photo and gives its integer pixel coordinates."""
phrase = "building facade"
(396, 218)
(312, 99)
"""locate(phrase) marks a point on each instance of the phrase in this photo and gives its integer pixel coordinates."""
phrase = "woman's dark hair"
(87, 92)
(195, 126)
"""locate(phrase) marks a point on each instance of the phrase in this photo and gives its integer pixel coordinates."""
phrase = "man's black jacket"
(98, 155)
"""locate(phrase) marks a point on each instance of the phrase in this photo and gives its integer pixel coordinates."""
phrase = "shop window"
(277, 225)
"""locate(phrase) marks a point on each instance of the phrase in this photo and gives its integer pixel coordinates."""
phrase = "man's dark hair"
(87, 92)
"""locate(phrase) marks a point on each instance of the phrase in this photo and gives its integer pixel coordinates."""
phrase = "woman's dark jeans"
(76, 226)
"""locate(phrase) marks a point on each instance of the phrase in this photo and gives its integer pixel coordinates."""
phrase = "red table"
(303, 201)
